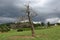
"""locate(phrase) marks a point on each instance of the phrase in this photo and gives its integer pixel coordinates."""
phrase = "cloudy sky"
(47, 10)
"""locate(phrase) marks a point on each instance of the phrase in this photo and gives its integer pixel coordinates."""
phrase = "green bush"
(4, 28)
(19, 30)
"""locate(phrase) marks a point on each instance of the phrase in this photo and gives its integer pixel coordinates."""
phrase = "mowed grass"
(52, 33)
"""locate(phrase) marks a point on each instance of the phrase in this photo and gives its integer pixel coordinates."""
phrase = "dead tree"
(30, 20)
(28, 17)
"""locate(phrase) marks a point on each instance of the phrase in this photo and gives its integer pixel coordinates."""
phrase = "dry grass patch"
(17, 37)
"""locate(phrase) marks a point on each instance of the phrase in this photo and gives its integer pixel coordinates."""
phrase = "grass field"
(52, 33)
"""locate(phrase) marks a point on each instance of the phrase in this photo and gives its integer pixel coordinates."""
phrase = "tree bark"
(30, 22)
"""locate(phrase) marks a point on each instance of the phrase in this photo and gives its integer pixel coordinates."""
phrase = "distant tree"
(48, 24)
(42, 24)
(58, 23)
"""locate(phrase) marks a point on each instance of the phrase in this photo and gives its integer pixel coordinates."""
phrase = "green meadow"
(52, 33)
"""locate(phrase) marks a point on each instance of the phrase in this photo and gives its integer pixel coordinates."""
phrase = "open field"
(52, 33)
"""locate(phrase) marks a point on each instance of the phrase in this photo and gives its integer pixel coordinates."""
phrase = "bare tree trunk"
(30, 20)
(32, 29)
(31, 23)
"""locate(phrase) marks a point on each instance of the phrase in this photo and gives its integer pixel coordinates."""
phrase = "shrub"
(4, 28)
(19, 30)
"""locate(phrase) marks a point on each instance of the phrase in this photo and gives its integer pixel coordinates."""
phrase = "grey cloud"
(9, 9)
(16, 8)
(7, 20)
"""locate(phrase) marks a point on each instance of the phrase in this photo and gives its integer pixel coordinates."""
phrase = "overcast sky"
(47, 10)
